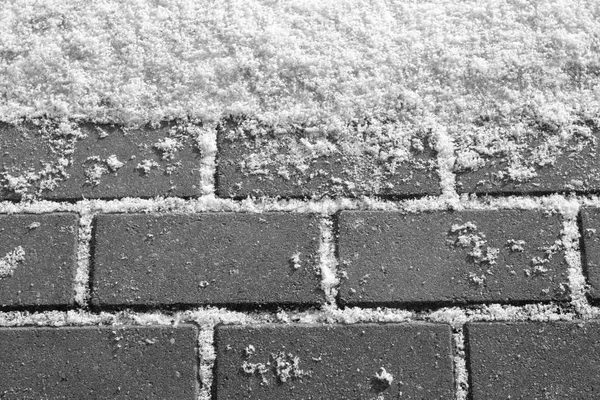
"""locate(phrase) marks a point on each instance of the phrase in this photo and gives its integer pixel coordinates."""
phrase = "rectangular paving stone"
(109, 162)
(105, 362)
(210, 258)
(301, 164)
(590, 227)
(450, 257)
(533, 360)
(38, 259)
(364, 361)
(573, 167)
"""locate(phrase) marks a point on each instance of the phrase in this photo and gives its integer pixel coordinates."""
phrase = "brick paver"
(534, 360)
(450, 257)
(334, 362)
(213, 258)
(37, 259)
(109, 163)
(248, 166)
(574, 167)
(98, 363)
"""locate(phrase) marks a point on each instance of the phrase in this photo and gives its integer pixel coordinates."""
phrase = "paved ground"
(300, 200)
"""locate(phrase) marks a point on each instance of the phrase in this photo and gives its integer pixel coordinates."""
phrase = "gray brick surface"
(574, 168)
(90, 175)
(333, 362)
(342, 172)
(534, 360)
(98, 363)
(449, 257)
(43, 274)
(212, 258)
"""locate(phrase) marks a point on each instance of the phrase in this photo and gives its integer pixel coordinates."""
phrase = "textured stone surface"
(99, 363)
(43, 274)
(212, 258)
(590, 226)
(313, 165)
(95, 169)
(448, 257)
(534, 360)
(571, 166)
(333, 361)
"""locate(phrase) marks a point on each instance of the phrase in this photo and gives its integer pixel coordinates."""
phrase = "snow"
(461, 374)
(84, 237)
(11, 261)
(384, 377)
(304, 62)
(328, 262)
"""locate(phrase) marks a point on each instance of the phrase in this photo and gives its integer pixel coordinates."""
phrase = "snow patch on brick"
(11, 261)
(60, 135)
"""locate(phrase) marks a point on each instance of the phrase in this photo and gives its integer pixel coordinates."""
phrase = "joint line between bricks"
(207, 144)
(82, 275)
(576, 278)
(328, 261)
(206, 361)
(453, 316)
(461, 372)
(445, 157)
(210, 202)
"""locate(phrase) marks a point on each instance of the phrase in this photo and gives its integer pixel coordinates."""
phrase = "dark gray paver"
(574, 167)
(590, 225)
(98, 363)
(38, 259)
(449, 257)
(107, 163)
(22, 151)
(534, 360)
(212, 258)
(333, 361)
(292, 164)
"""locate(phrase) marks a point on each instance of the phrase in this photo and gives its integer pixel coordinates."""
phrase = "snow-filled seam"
(206, 361)
(208, 203)
(461, 373)
(207, 144)
(578, 287)
(453, 316)
(444, 146)
(328, 262)
(82, 274)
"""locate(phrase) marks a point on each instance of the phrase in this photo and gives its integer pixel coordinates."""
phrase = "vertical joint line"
(82, 275)
(576, 278)
(461, 373)
(206, 139)
(206, 361)
(444, 147)
(328, 262)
